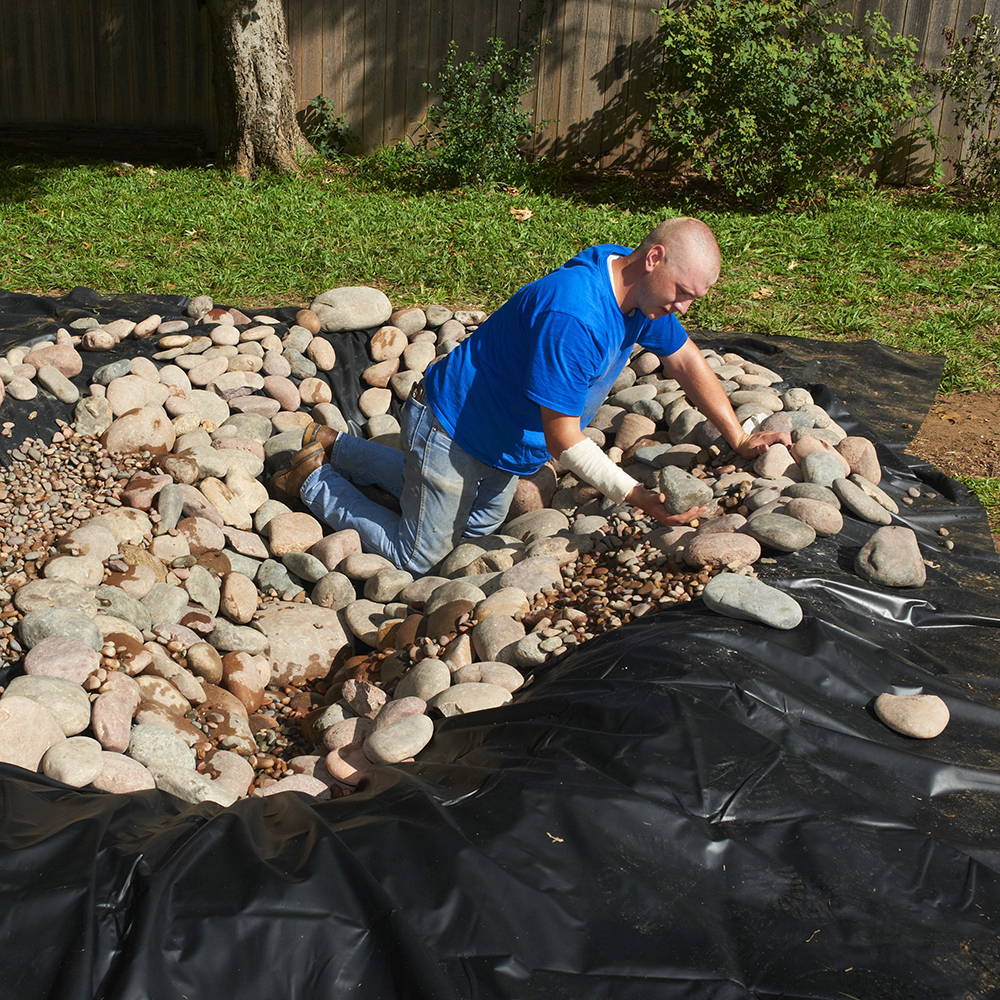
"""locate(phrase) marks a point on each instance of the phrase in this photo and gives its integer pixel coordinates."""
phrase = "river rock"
(721, 549)
(64, 657)
(861, 456)
(146, 429)
(891, 557)
(859, 504)
(532, 575)
(120, 774)
(76, 761)
(778, 531)
(461, 699)
(66, 700)
(494, 638)
(351, 308)
(399, 741)
(305, 641)
(46, 622)
(27, 730)
(681, 490)
(428, 678)
(747, 598)
(922, 716)
(822, 517)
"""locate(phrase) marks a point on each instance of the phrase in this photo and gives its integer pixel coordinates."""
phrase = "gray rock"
(385, 585)
(38, 625)
(536, 524)
(203, 588)
(426, 680)
(821, 467)
(682, 490)
(166, 603)
(494, 638)
(106, 374)
(876, 493)
(811, 491)
(92, 416)
(351, 308)
(778, 531)
(859, 504)
(747, 598)
(305, 566)
(891, 557)
(334, 591)
(453, 590)
(401, 740)
(115, 602)
(229, 638)
(462, 699)
(532, 575)
(272, 575)
(37, 595)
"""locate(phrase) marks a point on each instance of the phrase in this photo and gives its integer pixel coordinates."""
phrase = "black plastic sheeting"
(689, 807)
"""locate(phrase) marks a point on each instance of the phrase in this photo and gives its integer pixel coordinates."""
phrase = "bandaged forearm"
(586, 461)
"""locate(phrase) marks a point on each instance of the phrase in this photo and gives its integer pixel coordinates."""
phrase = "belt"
(417, 392)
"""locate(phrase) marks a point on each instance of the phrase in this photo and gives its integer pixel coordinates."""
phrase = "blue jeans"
(444, 493)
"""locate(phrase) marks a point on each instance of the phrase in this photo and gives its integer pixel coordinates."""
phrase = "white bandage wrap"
(586, 460)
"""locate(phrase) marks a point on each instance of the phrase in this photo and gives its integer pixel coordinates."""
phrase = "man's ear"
(655, 256)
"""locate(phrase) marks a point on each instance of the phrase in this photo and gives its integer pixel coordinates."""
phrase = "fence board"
(148, 65)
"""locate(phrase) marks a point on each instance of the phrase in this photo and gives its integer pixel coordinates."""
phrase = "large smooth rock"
(424, 681)
(751, 600)
(76, 761)
(27, 730)
(351, 308)
(922, 716)
(65, 699)
(780, 532)
(461, 699)
(46, 622)
(891, 557)
(305, 641)
(859, 503)
(400, 741)
(681, 490)
(62, 656)
(721, 548)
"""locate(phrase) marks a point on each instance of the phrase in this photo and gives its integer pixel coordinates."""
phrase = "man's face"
(670, 287)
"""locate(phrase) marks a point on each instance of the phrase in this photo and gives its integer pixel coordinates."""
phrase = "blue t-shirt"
(559, 342)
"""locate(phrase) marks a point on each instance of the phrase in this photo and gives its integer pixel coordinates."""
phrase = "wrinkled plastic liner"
(689, 807)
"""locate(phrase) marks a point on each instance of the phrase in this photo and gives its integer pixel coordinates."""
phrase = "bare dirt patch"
(961, 434)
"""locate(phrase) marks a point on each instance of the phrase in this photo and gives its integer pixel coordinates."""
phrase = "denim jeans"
(444, 493)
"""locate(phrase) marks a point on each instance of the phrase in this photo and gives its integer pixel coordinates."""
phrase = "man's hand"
(753, 445)
(652, 504)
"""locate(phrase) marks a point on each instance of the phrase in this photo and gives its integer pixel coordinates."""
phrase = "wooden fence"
(125, 76)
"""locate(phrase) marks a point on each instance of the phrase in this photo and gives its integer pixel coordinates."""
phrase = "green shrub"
(971, 78)
(325, 129)
(770, 97)
(476, 128)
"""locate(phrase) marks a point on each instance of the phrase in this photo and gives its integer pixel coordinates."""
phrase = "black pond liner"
(689, 807)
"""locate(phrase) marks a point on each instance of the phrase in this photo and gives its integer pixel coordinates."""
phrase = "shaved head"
(686, 241)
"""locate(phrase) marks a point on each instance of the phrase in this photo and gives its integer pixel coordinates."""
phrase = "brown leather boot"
(289, 481)
(318, 432)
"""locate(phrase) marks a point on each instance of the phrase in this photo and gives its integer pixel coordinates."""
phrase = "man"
(519, 391)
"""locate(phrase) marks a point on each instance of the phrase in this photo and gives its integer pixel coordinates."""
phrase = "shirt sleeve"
(663, 336)
(565, 359)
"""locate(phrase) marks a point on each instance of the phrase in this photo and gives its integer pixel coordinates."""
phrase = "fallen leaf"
(554, 838)
(764, 292)
(792, 264)
(512, 190)
(522, 214)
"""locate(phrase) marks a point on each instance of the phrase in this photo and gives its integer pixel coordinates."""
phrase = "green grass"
(988, 491)
(916, 271)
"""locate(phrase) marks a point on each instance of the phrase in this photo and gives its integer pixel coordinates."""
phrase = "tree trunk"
(256, 94)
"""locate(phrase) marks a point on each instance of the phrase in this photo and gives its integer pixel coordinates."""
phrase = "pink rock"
(131, 392)
(396, 710)
(121, 774)
(305, 641)
(633, 426)
(332, 549)
(387, 342)
(292, 532)
(239, 598)
(111, 715)
(374, 401)
(348, 764)
(533, 492)
(283, 390)
(364, 697)
(202, 536)
(246, 675)
(142, 488)
(61, 356)
(234, 774)
(379, 375)
(321, 353)
(315, 390)
(27, 730)
(62, 656)
(146, 429)
(720, 548)
(263, 405)
(860, 455)
(298, 783)
(350, 732)
(240, 444)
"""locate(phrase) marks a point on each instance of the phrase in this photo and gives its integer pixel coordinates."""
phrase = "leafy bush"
(325, 129)
(971, 78)
(476, 128)
(767, 97)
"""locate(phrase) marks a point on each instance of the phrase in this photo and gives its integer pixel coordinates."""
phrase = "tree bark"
(256, 93)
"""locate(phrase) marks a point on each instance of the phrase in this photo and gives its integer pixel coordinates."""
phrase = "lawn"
(917, 270)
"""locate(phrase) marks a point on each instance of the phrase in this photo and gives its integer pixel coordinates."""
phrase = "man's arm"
(562, 433)
(702, 387)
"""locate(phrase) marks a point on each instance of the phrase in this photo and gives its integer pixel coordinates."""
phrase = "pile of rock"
(205, 635)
